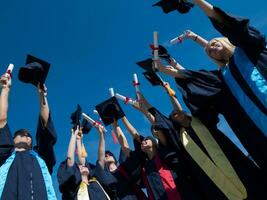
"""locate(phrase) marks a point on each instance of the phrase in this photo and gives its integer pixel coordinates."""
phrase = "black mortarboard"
(153, 78)
(109, 109)
(146, 64)
(35, 71)
(163, 52)
(182, 6)
(86, 126)
(76, 117)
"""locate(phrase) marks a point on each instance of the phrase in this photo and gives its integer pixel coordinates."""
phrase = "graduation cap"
(86, 126)
(146, 64)
(76, 117)
(110, 110)
(153, 78)
(35, 71)
(163, 52)
(182, 6)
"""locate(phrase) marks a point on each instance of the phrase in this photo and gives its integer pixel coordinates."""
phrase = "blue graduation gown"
(25, 179)
(69, 179)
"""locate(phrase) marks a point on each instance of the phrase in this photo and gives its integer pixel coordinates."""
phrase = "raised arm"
(5, 83)
(208, 9)
(46, 136)
(143, 106)
(71, 149)
(175, 103)
(101, 147)
(196, 38)
(6, 140)
(130, 128)
(44, 108)
(122, 139)
(79, 137)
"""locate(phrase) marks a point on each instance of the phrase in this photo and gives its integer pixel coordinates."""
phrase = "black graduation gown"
(207, 96)
(121, 184)
(25, 171)
(246, 170)
(174, 164)
(69, 179)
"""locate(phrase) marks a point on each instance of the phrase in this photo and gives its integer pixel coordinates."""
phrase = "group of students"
(186, 157)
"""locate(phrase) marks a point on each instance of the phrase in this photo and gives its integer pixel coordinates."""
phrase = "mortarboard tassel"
(83, 153)
(115, 139)
(170, 91)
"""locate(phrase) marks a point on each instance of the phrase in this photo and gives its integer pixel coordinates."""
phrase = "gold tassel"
(84, 153)
(170, 91)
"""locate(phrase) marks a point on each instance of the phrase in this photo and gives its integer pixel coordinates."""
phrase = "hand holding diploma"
(93, 122)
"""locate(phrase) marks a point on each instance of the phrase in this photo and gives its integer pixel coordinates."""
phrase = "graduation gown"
(25, 180)
(246, 170)
(238, 91)
(121, 184)
(69, 179)
(164, 176)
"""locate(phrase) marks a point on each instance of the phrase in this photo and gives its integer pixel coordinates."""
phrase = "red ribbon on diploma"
(153, 48)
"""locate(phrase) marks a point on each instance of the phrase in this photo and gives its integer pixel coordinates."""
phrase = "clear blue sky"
(93, 45)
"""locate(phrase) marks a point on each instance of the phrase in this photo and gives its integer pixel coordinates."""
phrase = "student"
(238, 89)
(25, 171)
(76, 179)
(120, 180)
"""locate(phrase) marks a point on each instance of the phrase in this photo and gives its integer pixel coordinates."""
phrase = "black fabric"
(201, 91)
(6, 144)
(173, 160)
(23, 174)
(241, 34)
(46, 138)
(117, 186)
(69, 179)
(171, 5)
(25, 167)
(109, 110)
(206, 95)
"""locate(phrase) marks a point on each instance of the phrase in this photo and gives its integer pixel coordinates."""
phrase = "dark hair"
(22, 132)
(111, 154)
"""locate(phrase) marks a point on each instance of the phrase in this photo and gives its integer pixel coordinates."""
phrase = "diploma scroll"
(9, 70)
(93, 122)
(136, 85)
(156, 49)
(125, 99)
(111, 92)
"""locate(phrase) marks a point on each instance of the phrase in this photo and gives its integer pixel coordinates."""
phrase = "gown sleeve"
(46, 138)
(69, 179)
(239, 32)
(6, 144)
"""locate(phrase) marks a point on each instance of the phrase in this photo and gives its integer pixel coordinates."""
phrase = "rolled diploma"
(123, 98)
(156, 46)
(136, 85)
(93, 122)
(174, 40)
(111, 92)
(9, 69)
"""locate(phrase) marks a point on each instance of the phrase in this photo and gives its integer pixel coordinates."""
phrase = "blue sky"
(93, 45)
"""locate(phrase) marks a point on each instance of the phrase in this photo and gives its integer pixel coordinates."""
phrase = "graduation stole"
(51, 195)
(249, 88)
(83, 193)
(218, 168)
